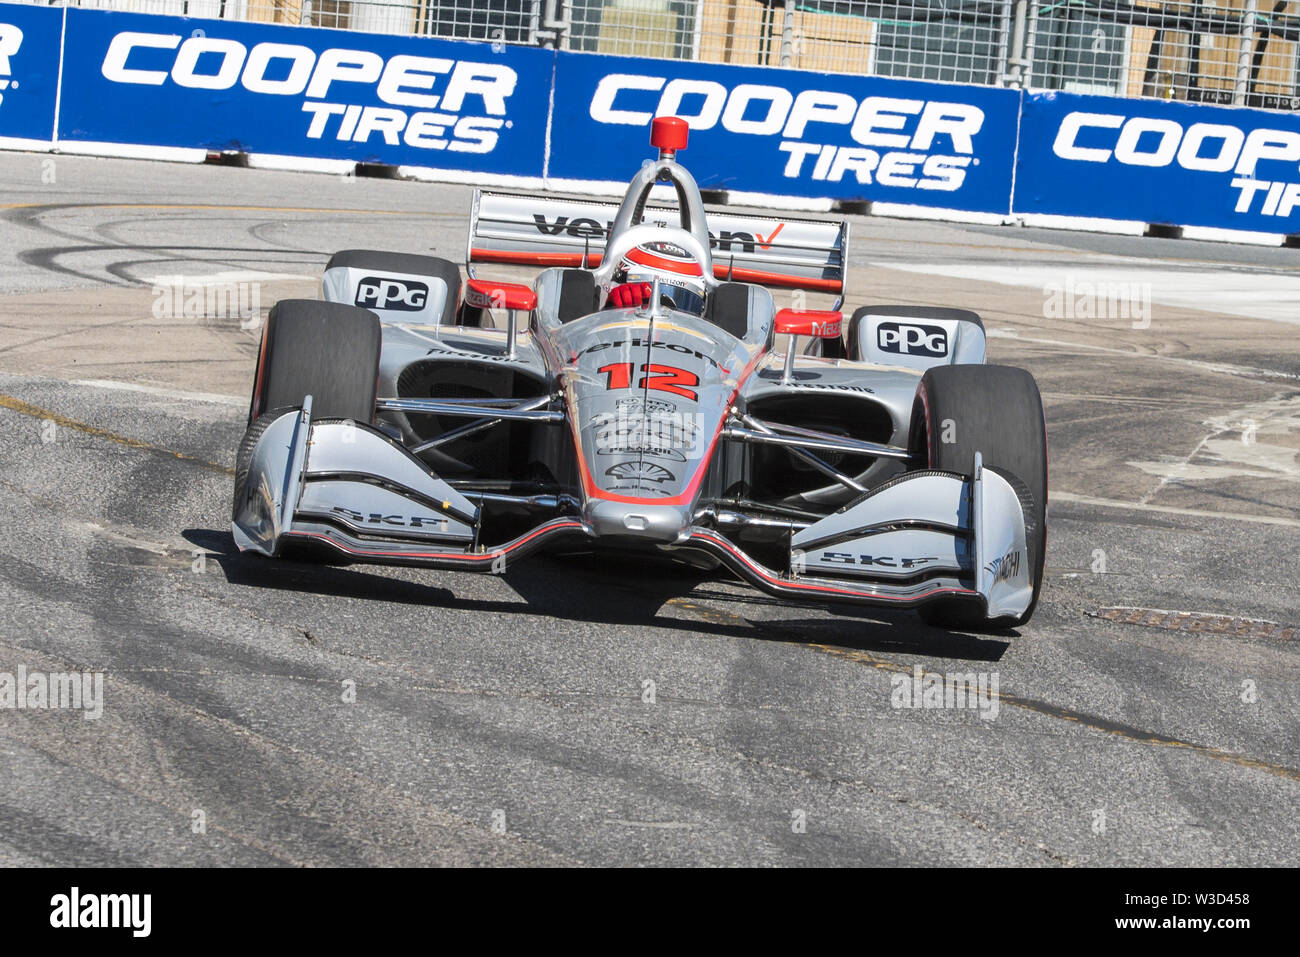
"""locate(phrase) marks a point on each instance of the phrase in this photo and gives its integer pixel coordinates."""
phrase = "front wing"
(921, 537)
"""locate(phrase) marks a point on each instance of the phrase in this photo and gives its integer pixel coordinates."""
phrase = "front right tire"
(998, 412)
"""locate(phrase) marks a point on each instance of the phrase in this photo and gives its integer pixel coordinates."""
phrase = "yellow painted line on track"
(36, 412)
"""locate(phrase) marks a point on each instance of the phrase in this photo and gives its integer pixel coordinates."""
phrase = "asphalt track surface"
(500, 719)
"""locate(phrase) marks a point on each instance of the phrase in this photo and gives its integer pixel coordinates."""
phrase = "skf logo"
(909, 340)
(436, 523)
(883, 561)
(399, 295)
(11, 38)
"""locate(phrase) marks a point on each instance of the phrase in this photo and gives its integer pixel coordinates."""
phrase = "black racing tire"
(409, 264)
(998, 412)
(852, 346)
(327, 350)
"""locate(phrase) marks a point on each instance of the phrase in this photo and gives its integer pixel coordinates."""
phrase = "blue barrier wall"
(226, 85)
(29, 71)
(1158, 161)
(791, 133)
(546, 118)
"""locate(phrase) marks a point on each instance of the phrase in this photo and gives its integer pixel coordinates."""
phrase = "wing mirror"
(511, 296)
(820, 324)
(808, 322)
(487, 294)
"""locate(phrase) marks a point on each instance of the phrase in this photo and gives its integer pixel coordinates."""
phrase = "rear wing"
(535, 231)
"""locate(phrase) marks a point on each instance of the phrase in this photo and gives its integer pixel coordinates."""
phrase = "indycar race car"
(645, 394)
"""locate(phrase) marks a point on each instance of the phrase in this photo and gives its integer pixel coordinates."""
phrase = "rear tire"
(323, 349)
(998, 412)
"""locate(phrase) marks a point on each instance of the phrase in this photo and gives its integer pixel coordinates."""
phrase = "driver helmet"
(681, 277)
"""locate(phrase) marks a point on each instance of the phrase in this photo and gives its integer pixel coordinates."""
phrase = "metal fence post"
(1014, 73)
(556, 18)
(787, 35)
(1244, 54)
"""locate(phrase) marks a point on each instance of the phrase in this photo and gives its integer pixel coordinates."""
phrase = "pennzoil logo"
(640, 472)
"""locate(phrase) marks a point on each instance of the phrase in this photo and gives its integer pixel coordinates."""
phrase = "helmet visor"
(681, 298)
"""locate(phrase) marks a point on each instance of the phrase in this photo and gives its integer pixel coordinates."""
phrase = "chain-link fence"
(504, 21)
(1217, 51)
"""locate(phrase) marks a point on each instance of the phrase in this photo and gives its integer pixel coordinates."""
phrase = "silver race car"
(646, 394)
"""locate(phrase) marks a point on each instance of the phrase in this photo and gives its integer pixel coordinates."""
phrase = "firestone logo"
(426, 94)
(896, 137)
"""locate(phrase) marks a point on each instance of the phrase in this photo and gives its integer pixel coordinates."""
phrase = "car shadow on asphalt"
(617, 590)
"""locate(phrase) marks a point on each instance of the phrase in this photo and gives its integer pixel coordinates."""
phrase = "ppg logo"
(909, 340)
(401, 295)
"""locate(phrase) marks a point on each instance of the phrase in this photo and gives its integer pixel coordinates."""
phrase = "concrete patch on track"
(1201, 623)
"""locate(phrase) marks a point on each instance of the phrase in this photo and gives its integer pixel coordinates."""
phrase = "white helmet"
(680, 275)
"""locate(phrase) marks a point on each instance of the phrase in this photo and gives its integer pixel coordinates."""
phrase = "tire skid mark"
(1094, 722)
(395, 802)
(1035, 705)
(15, 404)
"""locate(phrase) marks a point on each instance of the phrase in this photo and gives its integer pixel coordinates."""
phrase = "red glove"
(628, 294)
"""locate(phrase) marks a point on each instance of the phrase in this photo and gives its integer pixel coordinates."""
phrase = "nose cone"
(650, 523)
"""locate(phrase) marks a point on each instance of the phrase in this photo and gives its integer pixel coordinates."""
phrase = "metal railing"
(1240, 52)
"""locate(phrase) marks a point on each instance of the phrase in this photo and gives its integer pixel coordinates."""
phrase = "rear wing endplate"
(535, 231)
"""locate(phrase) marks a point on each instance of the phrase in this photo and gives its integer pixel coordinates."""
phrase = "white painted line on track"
(1074, 499)
(221, 278)
(1251, 294)
(164, 393)
(1224, 368)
